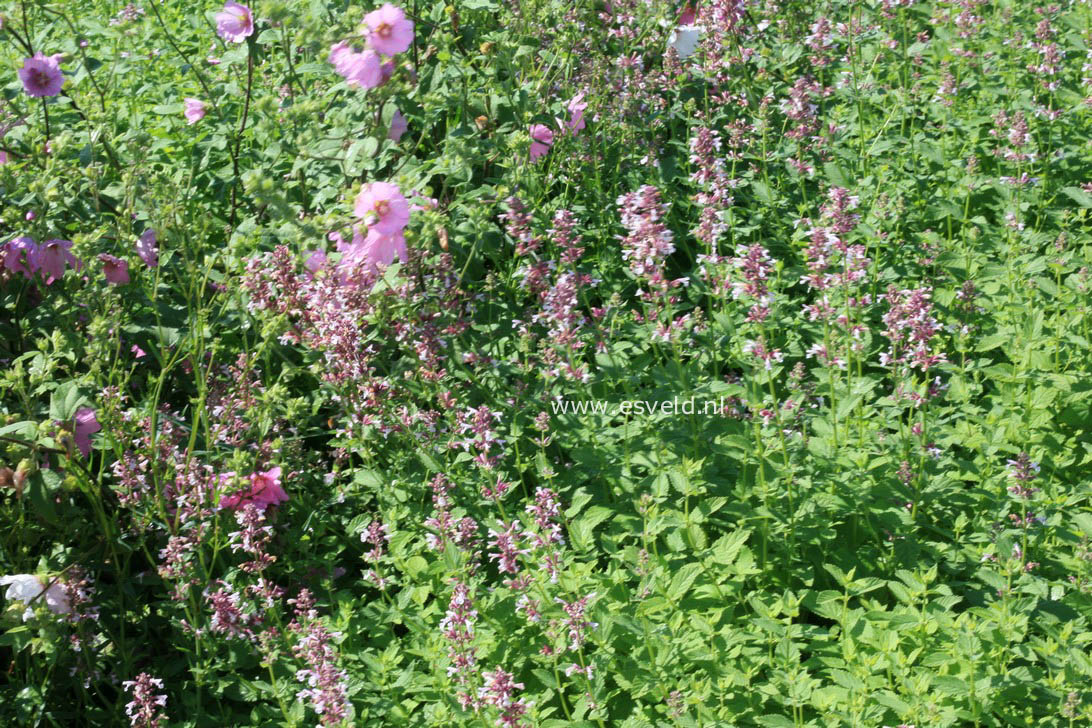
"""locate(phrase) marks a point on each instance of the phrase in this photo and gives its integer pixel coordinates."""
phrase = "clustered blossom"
(754, 265)
(327, 684)
(499, 690)
(457, 627)
(648, 241)
(576, 621)
(228, 617)
(462, 533)
(715, 184)
(376, 535)
(1022, 471)
(911, 329)
(507, 551)
(479, 423)
(144, 710)
(386, 212)
(386, 32)
(547, 537)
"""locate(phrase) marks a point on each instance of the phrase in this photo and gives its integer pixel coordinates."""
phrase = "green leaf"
(64, 402)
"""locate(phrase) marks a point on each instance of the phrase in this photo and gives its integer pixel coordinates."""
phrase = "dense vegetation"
(546, 364)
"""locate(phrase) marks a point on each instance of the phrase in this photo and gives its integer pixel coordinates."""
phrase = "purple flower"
(146, 248)
(53, 256)
(114, 270)
(20, 256)
(41, 75)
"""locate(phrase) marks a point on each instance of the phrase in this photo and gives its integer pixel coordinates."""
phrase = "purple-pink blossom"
(383, 208)
(53, 256)
(234, 23)
(541, 139)
(399, 125)
(146, 248)
(114, 269)
(20, 256)
(265, 490)
(388, 30)
(362, 69)
(194, 110)
(86, 425)
(41, 75)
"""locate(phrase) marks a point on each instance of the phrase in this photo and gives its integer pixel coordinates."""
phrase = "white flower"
(27, 587)
(684, 39)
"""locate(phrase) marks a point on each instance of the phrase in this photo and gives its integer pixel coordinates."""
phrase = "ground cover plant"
(545, 364)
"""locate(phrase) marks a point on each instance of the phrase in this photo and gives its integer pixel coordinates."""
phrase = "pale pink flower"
(86, 426)
(358, 69)
(194, 111)
(234, 23)
(146, 248)
(265, 490)
(27, 588)
(52, 258)
(41, 75)
(20, 256)
(399, 125)
(576, 113)
(383, 208)
(114, 270)
(388, 30)
(138, 353)
(541, 139)
(380, 248)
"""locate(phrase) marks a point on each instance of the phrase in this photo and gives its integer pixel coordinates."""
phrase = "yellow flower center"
(382, 208)
(384, 30)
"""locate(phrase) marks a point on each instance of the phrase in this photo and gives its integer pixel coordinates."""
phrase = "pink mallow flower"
(234, 23)
(380, 248)
(399, 125)
(541, 139)
(114, 270)
(20, 256)
(194, 111)
(358, 69)
(382, 208)
(28, 588)
(146, 248)
(576, 108)
(265, 490)
(388, 30)
(41, 75)
(53, 256)
(86, 426)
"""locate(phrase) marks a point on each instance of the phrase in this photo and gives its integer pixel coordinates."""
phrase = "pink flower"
(541, 139)
(399, 125)
(146, 248)
(194, 111)
(20, 256)
(86, 426)
(265, 490)
(52, 258)
(382, 208)
(388, 30)
(380, 248)
(576, 113)
(28, 588)
(316, 261)
(234, 23)
(114, 270)
(358, 69)
(138, 353)
(41, 75)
